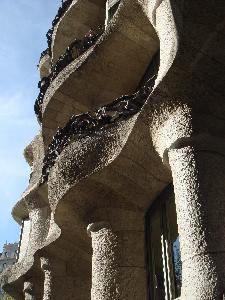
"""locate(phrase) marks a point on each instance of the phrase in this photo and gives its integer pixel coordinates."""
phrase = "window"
(24, 239)
(111, 8)
(163, 249)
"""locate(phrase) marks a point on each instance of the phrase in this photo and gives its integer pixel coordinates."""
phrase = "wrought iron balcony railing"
(87, 123)
(62, 9)
(77, 48)
(43, 86)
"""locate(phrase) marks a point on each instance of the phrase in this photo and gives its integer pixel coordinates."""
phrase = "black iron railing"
(77, 48)
(43, 86)
(62, 9)
(87, 123)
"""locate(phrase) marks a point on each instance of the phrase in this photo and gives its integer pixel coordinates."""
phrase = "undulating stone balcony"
(89, 123)
(61, 11)
(98, 163)
(44, 65)
(75, 22)
(76, 49)
(123, 51)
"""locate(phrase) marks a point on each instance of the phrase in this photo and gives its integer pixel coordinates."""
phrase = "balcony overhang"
(75, 23)
(126, 174)
(44, 65)
(111, 68)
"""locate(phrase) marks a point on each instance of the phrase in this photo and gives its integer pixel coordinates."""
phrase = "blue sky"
(23, 24)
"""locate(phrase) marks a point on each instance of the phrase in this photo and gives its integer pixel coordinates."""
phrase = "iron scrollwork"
(61, 11)
(90, 122)
(76, 48)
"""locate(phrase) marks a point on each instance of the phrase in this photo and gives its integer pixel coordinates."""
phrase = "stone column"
(199, 182)
(105, 268)
(48, 281)
(28, 289)
(118, 262)
(185, 139)
(55, 277)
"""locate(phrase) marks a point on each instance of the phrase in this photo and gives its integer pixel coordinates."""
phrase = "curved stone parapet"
(79, 18)
(93, 167)
(38, 239)
(103, 169)
(112, 175)
(44, 65)
(32, 211)
(108, 60)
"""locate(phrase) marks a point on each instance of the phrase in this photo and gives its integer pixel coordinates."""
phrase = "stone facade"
(126, 199)
(8, 257)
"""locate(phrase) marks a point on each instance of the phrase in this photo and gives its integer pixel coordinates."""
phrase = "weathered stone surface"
(110, 177)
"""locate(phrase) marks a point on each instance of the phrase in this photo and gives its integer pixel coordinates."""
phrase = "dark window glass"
(163, 249)
(177, 266)
(112, 10)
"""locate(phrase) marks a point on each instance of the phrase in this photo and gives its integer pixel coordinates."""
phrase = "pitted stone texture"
(93, 153)
(75, 23)
(199, 191)
(34, 209)
(105, 277)
(24, 242)
(118, 267)
(187, 77)
(54, 270)
(82, 80)
(120, 219)
(44, 66)
(37, 153)
(132, 283)
(170, 122)
(132, 249)
(71, 279)
(29, 293)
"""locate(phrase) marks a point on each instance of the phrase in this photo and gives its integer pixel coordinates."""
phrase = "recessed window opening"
(111, 8)
(163, 249)
(24, 238)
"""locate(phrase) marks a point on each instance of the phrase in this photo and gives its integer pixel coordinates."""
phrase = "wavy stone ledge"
(86, 124)
(91, 91)
(189, 86)
(75, 23)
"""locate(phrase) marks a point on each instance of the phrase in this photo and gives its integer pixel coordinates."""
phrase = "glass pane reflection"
(164, 259)
(177, 266)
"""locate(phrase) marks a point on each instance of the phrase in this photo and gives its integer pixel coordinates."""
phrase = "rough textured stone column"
(118, 262)
(55, 275)
(48, 281)
(199, 183)
(29, 293)
(105, 268)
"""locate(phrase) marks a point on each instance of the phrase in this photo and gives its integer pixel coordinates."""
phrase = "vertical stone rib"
(55, 277)
(29, 290)
(48, 281)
